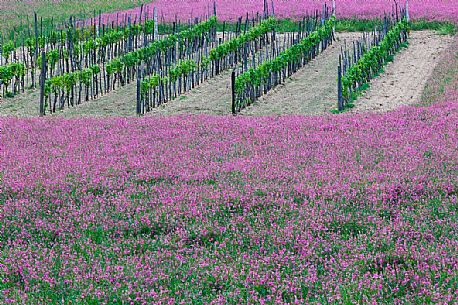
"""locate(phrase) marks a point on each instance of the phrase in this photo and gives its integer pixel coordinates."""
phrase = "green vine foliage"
(150, 82)
(374, 58)
(30, 44)
(232, 45)
(256, 76)
(10, 71)
(67, 81)
(52, 57)
(185, 67)
(83, 38)
(134, 58)
(182, 68)
(170, 41)
(7, 48)
(114, 66)
(116, 35)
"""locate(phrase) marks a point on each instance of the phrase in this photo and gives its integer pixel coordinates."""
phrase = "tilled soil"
(312, 90)
(404, 79)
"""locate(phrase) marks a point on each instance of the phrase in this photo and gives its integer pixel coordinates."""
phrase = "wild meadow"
(14, 15)
(439, 10)
(342, 209)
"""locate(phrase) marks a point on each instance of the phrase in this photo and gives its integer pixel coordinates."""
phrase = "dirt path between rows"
(404, 79)
(212, 97)
(312, 90)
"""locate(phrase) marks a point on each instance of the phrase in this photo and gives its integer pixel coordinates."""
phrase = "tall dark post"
(100, 24)
(1, 49)
(129, 40)
(233, 92)
(265, 8)
(70, 44)
(139, 107)
(339, 85)
(156, 28)
(36, 47)
(141, 12)
(246, 23)
(42, 83)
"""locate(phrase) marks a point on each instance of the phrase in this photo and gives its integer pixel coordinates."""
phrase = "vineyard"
(228, 152)
(79, 62)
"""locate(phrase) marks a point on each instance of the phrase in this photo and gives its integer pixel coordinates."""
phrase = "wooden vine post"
(334, 15)
(139, 107)
(233, 92)
(156, 30)
(407, 11)
(42, 83)
(340, 104)
(36, 48)
(266, 9)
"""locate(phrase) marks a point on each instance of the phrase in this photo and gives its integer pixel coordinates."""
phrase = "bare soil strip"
(312, 90)
(212, 97)
(120, 102)
(404, 79)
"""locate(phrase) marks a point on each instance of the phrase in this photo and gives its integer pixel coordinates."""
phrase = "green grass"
(356, 25)
(15, 15)
(444, 75)
(444, 28)
(359, 25)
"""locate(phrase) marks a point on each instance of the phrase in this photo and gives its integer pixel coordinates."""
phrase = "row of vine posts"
(309, 24)
(109, 76)
(351, 54)
(116, 73)
(160, 88)
(200, 66)
(89, 58)
(72, 51)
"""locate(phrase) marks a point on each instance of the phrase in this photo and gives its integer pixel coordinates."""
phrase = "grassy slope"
(12, 13)
(360, 25)
(445, 75)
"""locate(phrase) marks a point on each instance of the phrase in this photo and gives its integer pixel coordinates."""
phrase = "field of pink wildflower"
(348, 209)
(232, 9)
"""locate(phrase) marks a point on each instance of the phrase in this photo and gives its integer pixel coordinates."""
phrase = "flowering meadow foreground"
(443, 10)
(349, 209)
